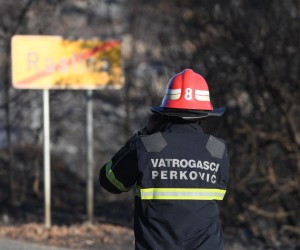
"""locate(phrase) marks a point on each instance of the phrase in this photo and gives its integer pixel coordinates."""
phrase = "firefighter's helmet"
(187, 96)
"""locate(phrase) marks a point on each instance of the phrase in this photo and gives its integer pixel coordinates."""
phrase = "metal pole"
(90, 158)
(47, 171)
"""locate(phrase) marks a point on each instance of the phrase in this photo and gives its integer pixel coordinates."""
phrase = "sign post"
(90, 158)
(54, 62)
(47, 170)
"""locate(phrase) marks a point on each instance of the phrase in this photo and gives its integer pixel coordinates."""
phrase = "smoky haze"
(248, 52)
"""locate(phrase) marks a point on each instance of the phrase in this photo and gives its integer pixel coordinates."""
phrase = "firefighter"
(179, 172)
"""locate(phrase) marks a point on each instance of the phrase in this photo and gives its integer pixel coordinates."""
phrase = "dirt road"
(9, 244)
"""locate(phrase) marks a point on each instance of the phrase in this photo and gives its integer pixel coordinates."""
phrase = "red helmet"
(187, 96)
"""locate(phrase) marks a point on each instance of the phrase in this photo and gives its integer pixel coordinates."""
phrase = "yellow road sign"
(53, 62)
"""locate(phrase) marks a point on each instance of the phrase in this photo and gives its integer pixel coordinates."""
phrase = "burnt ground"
(22, 218)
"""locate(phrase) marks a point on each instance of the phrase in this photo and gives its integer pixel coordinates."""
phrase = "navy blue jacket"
(180, 173)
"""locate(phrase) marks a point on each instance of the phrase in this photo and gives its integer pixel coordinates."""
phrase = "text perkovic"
(184, 163)
(183, 175)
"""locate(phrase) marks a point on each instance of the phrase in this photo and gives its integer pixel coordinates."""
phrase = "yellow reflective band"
(112, 178)
(182, 194)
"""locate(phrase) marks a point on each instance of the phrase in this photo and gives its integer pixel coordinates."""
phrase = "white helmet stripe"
(202, 92)
(173, 91)
(202, 98)
(173, 94)
(202, 95)
(173, 97)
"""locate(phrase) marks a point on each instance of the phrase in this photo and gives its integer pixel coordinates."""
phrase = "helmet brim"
(189, 114)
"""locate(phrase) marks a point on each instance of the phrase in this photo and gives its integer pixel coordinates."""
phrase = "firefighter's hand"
(155, 123)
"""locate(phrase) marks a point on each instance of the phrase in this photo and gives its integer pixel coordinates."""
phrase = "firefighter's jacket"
(179, 174)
